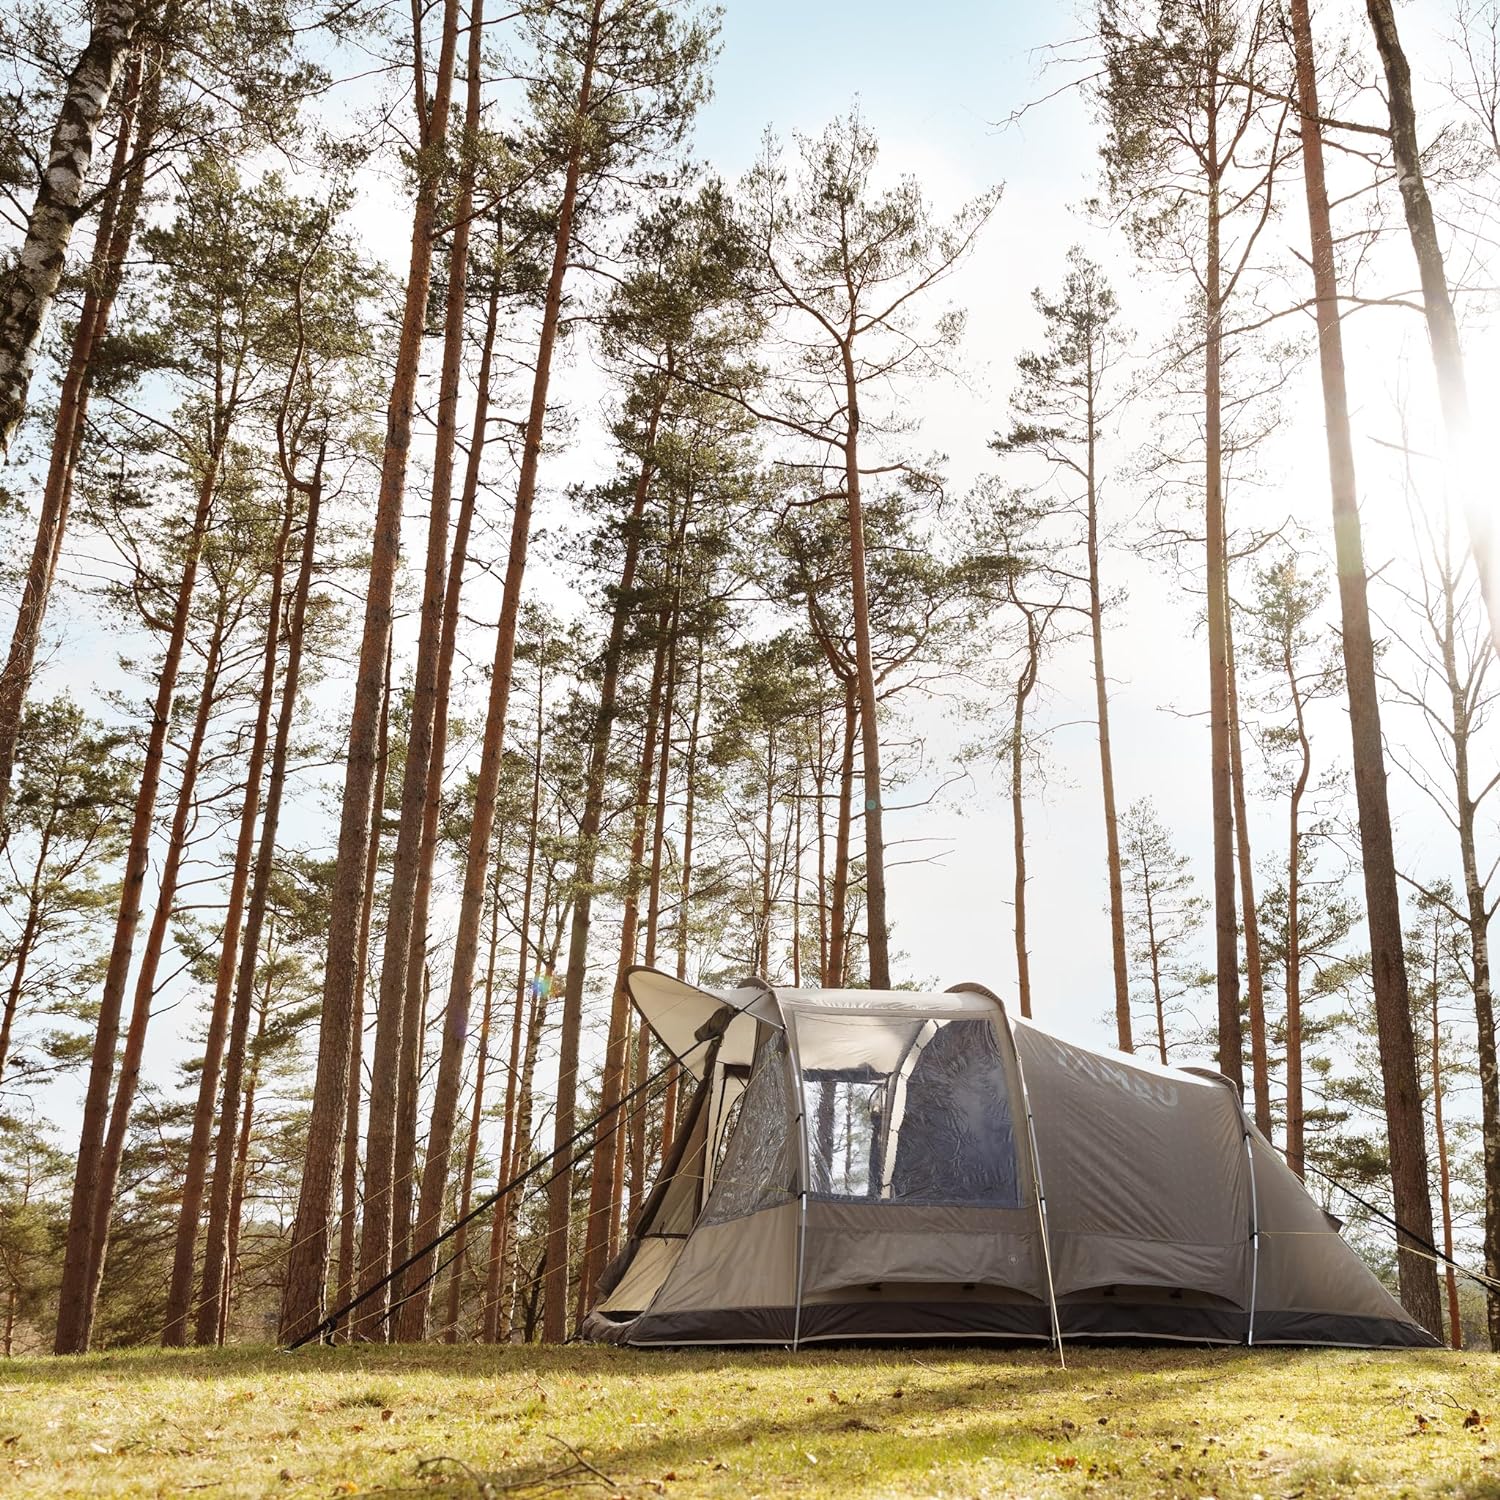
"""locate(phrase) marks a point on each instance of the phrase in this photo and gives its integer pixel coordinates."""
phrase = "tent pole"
(797, 1082)
(1254, 1233)
(1041, 1194)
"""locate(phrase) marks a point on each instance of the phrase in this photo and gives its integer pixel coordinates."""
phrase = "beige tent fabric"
(891, 1189)
(1305, 1265)
(1145, 1172)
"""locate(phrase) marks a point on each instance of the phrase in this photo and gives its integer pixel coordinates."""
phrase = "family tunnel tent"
(860, 1164)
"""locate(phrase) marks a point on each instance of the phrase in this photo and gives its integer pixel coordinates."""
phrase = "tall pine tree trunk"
(604, 1182)
(1475, 488)
(476, 1114)
(877, 927)
(348, 1263)
(466, 943)
(75, 1310)
(216, 1241)
(1476, 910)
(390, 1147)
(1405, 1130)
(1260, 1067)
(1440, 1139)
(1296, 1145)
(1226, 941)
(244, 1118)
(307, 1264)
(838, 920)
(145, 980)
(1025, 683)
(200, 1141)
(501, 1219)
(1123, 1030)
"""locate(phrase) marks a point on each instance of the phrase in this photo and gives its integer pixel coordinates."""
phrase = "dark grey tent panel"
(859, 1164)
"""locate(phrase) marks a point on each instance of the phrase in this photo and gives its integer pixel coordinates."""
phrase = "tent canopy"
(901, 1164)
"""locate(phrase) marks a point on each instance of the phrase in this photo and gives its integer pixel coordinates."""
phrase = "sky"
(934, 86)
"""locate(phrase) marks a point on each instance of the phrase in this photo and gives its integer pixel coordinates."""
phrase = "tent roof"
(676, 1011)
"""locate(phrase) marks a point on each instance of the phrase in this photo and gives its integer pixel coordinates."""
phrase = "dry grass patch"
(466, 1423)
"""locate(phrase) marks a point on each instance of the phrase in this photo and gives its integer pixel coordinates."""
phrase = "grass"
(472, 1422)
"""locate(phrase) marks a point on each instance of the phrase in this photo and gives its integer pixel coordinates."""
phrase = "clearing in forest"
(479, 1421)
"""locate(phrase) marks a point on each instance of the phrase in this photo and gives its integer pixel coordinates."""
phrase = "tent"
(858, 1164)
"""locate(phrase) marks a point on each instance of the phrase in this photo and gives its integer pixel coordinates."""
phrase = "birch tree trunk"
(117, 222)
(31, 284)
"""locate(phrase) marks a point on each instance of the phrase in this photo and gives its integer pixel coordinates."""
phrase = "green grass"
(460, 1423)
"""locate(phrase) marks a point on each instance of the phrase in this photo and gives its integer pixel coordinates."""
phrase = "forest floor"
(480, 1423)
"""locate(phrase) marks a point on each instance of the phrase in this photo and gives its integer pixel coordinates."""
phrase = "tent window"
(759, 1165)
(907, 1110)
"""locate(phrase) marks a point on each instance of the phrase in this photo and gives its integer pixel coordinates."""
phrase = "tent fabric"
(860, 1164)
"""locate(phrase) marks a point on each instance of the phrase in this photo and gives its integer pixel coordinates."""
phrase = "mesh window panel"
(928, 1123)
(760, 1165)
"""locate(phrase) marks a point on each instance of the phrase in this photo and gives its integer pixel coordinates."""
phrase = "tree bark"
(75, 1309)
(1445, 1196)
(307, 1265)
(476, 1114)
(117, 222)
(390, 1148)
(604, 1182)
(501, 1220)
(1476, 912)
(1123, 1029)
(1260, 1068)
(1226, 939)
(670, 1095)
(145, 980)
(349, 1172)
(638, 1120)
(1025, 683)
(1442, 326)
(1296, 1152)
(1412, 1199)
(456, 1014)
(838, 921)
(244, 1117)
(190, 1210)
(31, 283)
(877, 928)
(216, 1242)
